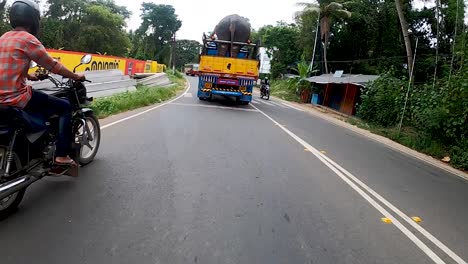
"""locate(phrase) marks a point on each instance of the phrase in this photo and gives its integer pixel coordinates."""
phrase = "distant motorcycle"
(27, 142)
(265, 91)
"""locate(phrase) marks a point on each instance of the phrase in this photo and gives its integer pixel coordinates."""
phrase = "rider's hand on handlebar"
(33, 77)
(80, 77)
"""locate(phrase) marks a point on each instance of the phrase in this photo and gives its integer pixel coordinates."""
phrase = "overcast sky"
(200, 16)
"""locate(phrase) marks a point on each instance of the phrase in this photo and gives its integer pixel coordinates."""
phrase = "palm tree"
(405, 30)
(329, 12)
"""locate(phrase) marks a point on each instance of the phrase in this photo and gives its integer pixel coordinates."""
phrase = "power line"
(384, 58)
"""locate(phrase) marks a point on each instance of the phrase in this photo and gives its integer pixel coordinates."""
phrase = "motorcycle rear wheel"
(9, 204)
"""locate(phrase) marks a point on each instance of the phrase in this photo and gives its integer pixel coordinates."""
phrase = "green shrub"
(436, 121)
(442, 111)
(143, 96)
(382, 101)
(459, 154)
(178, 74)
(285, 89)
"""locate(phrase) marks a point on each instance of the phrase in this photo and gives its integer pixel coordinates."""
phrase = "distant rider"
(264, 83)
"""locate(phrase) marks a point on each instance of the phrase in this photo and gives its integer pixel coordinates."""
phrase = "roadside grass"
(143, 96)
(408, 137)
(285, 90)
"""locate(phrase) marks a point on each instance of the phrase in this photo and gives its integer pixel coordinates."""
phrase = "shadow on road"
(225, 102)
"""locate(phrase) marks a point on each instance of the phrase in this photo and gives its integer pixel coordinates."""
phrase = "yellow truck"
(226, 75)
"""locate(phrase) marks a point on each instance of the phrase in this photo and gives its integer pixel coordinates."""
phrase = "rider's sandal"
(71, 163)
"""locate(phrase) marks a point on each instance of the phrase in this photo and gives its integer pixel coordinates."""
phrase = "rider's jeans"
(50, 105)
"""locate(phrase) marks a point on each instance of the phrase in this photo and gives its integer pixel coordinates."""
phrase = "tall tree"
(114, 8)
(187, 51)
(102, 31)
(4, 25)
(158, 28)
(91, 26)
(405, 31)
(281, 42)
(329, 12)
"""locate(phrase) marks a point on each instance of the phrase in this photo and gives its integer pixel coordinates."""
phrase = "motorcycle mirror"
(86, 59)
(33, 64)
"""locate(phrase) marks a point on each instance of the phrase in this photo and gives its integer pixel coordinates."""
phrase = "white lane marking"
(293, 107)
(278, 104)
(405, 217)
(188, 95)
(267, 103)
(371, 201)
(148, 110)
(216, 106)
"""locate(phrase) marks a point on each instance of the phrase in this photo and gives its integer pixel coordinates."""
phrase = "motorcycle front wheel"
(89, 139)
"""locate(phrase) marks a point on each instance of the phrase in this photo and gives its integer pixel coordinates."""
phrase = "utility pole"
(174, 53)
(409, 86)
(311, 67)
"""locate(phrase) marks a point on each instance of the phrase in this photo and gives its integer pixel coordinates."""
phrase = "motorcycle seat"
(14, 117)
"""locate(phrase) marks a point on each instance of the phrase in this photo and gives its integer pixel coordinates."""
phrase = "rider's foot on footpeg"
(65, 161)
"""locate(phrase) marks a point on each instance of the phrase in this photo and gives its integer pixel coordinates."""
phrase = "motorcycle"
(27, 141)
(265, 91)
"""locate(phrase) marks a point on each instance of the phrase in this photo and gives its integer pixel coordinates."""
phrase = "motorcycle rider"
(17, 49)
(264, 84)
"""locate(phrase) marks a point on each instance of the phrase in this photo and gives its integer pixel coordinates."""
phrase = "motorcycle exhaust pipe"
(13, 186)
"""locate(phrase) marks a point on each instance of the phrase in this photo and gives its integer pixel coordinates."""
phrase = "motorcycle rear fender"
(5, 131)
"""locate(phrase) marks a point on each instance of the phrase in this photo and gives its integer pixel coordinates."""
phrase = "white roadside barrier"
(109, 82)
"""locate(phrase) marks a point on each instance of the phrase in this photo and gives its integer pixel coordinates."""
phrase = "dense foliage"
(187, 51)
(154, 38)
(281, 41)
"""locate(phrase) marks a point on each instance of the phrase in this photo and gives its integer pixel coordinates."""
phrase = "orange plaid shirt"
(17, 50)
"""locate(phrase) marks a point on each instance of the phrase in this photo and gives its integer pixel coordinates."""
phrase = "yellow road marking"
(386, 220)
(323, 152)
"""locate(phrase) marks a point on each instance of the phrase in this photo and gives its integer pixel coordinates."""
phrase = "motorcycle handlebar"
(42, 77)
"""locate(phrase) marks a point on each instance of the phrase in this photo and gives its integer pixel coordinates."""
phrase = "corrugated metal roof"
(358, 79)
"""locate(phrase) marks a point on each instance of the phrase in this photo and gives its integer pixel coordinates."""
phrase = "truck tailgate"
(224, 65)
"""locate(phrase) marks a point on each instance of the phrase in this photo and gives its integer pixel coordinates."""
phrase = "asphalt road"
(212, 182)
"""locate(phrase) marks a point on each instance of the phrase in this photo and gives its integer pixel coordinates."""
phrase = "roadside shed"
(339, 91)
